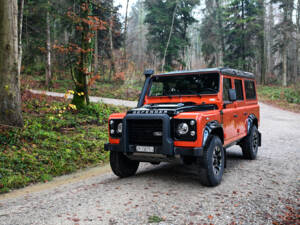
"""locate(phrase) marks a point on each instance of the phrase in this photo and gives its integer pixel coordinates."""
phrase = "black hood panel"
(172, 109)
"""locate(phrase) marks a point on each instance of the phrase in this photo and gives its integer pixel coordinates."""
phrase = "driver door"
(230, 115)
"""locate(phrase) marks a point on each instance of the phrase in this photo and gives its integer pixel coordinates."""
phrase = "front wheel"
(122, 166)
(211, 164)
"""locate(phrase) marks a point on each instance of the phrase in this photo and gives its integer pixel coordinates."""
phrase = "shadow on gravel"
(179, 173)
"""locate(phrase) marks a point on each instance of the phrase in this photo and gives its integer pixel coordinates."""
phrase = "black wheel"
(121, 165)
(211, 164)
(250, 144)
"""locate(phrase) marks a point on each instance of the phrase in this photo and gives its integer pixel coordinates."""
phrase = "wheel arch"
(251, 120)
(213, 128)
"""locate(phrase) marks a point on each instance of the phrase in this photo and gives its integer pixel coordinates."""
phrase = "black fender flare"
(212, 127)
(250, 121)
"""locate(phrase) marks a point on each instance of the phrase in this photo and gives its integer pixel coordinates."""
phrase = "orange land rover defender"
(191, 116)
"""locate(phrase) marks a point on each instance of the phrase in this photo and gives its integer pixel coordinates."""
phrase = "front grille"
(141, 132)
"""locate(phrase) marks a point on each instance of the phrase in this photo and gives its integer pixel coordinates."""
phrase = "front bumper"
(197, 152)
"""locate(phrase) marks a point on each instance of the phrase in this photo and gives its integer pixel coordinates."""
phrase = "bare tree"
(298, 40)
(169, 39)
(125, 34)
(48, 49)
(10, 97)
(112, 58)
(269, 39)
(261, 37)
(20, 27)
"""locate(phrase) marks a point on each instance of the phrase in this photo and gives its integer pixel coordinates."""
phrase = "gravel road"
(252, 192)
(109, 101)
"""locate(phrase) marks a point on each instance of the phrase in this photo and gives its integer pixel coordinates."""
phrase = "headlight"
(182, 128)
(185, 129)
(120, 126)
(115, 128)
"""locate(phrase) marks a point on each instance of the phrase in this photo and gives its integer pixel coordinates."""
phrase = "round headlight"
(112, 131)
(182, 129)
(111, 122)
(120, 125)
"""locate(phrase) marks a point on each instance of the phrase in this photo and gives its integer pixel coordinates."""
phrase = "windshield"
(195, 84)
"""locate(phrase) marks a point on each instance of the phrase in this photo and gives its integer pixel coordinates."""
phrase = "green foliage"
(53, 142)
(159, 18)
(288, 94)
(241, 28)
(155, 219)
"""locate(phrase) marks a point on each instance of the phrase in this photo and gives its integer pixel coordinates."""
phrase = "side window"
(239, 90)
(250, 89)
(226, 87)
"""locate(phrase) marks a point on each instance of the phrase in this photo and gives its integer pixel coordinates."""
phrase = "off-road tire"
(213, 158)
(122, 166)
(250, 144)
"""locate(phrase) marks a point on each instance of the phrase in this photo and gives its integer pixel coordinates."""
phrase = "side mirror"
(232, 95)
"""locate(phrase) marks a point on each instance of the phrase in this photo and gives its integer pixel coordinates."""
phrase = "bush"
(288, 94)
(54, 141)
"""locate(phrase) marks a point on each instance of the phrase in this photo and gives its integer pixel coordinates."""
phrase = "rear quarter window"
(250, 89)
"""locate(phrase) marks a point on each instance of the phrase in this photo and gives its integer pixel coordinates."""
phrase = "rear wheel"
(122, 166)
(250, 144)
(211, 164)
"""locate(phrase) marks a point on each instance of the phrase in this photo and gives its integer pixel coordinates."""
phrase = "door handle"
(235, 116)
(245, 114)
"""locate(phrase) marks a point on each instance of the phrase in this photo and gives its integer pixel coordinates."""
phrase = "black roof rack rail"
(225, 71)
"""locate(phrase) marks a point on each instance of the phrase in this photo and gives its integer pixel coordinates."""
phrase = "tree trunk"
(81, 74)
(284, 65)
(243, 37)
(10, 97)
(112, 58)
(262, 43)
(270, 39)
(221, 33)
(48, 51)
(298, 40)
(125, 35)
(169, 39)
(96, 56)
(20, 27)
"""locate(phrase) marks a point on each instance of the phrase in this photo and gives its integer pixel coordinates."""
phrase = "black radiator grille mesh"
(142, 132)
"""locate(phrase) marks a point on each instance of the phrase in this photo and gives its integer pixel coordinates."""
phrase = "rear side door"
(240, 110)
(229, 113)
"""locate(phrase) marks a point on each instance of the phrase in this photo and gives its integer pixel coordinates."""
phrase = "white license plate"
(149, 149)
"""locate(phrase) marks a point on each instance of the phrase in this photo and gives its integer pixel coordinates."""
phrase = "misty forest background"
(87, 47)
(258, 36)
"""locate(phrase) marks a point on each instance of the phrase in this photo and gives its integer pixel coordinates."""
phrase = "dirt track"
(252, 192)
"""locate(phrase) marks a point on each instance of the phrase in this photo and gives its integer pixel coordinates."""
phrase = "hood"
(172, 108)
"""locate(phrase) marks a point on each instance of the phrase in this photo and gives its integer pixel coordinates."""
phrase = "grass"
(284, 97)
(155, 219)
(54, 141)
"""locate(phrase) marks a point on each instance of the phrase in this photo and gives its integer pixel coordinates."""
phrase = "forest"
(81, 44)
(89, 48)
